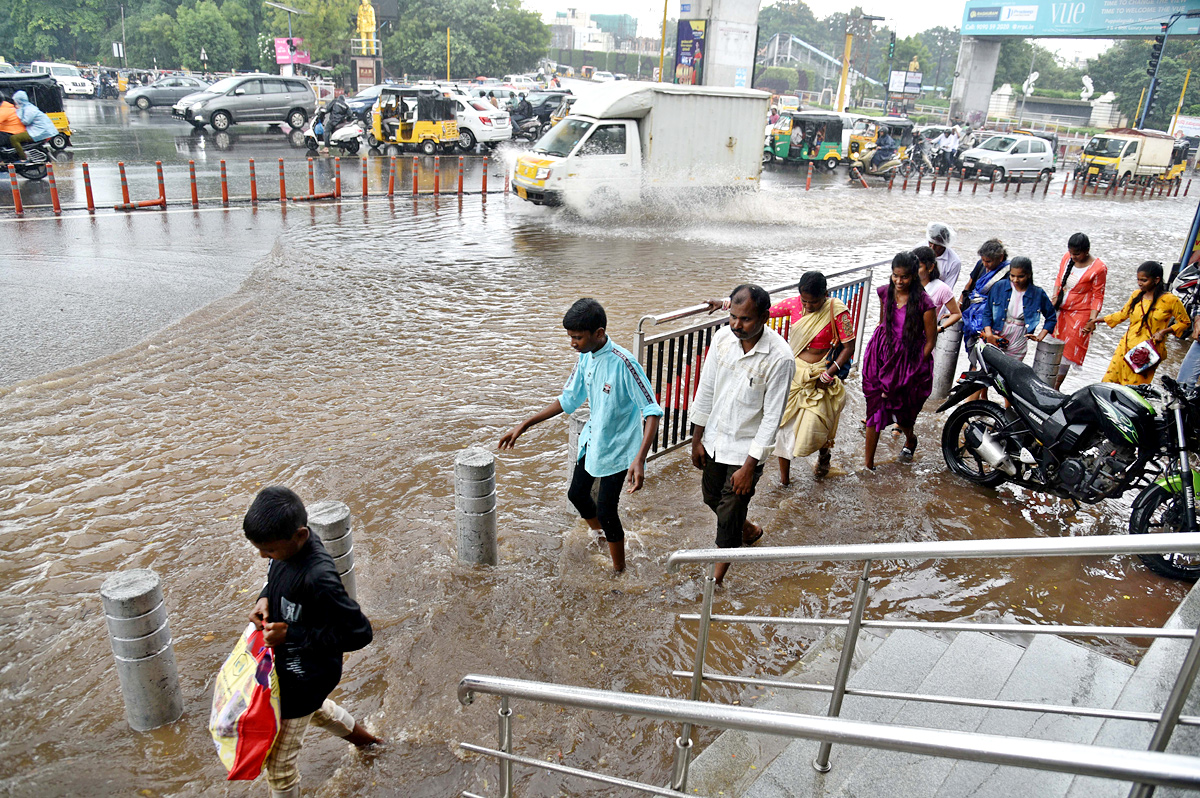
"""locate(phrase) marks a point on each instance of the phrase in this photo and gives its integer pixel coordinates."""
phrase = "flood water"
(362, 352)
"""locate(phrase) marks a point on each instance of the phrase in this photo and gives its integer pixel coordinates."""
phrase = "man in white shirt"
(949, 264)
(736, 412)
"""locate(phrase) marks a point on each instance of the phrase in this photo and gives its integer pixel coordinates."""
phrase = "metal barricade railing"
(1165, 722)
(672, 359)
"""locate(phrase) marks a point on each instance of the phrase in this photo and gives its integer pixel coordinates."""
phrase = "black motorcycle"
(34, 165)
(1095, 444)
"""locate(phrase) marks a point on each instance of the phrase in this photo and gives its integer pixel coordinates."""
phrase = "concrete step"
(902, 663)
(1051, 671)
(974, 666)
(1147, 691)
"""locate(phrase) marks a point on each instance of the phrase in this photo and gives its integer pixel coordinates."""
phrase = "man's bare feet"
(361, 737)
(751, 533)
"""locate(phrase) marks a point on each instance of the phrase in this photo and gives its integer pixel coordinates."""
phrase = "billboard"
(689, 52)
(282, 56)
(904, 82)
(1091, 19)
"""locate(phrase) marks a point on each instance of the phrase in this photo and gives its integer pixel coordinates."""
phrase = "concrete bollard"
(945, 360)
(1046, 358)
(141, 643)
(330, 521)
(475, 506)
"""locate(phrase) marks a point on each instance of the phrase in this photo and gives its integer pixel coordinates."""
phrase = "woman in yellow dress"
(1150, 311)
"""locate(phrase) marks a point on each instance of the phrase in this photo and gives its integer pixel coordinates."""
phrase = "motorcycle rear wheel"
(961, 461)
(1160, 510)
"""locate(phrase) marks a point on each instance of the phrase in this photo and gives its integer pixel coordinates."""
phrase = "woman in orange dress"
(1078, 296)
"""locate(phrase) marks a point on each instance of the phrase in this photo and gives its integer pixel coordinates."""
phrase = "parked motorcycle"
(1095, 444)
(34, 165)
(347, 138)
(860, 163)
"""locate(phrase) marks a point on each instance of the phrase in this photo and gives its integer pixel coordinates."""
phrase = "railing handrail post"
(821, 763)
(505, 722)
(683, 743)
(1171, 710)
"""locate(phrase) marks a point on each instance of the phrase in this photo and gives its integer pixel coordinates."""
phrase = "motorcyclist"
(338, 114)
(524, 108)
(886, 149)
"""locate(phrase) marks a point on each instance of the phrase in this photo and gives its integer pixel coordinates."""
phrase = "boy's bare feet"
(361, 737)
(617, 552)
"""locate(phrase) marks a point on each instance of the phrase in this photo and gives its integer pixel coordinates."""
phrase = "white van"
(67, 77)
(1010, 154)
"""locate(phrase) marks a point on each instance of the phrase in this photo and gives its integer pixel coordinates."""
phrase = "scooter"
(34, 165)
(528, 128)
(347, 137)
(860, 163)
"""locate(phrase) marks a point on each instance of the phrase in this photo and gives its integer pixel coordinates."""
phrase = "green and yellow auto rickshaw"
(867, 129)
(417, 118)
(803, 136)
(47, 96)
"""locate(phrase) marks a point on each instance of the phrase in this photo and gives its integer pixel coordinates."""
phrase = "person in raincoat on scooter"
(37, 124)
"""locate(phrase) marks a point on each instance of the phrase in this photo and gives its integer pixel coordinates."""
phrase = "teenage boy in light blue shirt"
(623, 424)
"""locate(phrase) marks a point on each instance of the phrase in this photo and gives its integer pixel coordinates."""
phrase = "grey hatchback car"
(164, 91)
(249, 98)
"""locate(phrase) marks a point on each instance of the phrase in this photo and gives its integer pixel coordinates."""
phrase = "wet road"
(351, 354)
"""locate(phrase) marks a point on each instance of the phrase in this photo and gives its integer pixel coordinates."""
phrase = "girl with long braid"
(1150, 311)
(898, 364)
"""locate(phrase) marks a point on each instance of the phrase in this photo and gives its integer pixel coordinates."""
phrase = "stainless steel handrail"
(868, 553)
(1166, 542)
(1148, 767)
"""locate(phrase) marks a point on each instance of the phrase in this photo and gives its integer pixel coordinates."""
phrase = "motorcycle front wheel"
(1157, 509)
(959, 458)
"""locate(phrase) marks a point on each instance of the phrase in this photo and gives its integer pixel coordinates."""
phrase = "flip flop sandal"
(906, 454)
(753, 538)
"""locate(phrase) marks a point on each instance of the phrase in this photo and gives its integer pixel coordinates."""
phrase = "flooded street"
(350, 353)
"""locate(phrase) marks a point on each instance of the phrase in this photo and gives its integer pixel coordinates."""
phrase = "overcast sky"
(904, 16)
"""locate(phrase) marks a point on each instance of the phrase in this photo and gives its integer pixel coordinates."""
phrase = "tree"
(326, 27)
(50, 29)
(486, 37)
(943, 45)
(204, 29)
(1121, 69)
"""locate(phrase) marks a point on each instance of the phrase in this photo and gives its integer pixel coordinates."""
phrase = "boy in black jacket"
(309, 621)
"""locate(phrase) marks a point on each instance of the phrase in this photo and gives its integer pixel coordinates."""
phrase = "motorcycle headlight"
(543, 173)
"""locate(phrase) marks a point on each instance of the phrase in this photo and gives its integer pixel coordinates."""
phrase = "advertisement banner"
(1187, 126)
(904, 82)
(689, 52)
(282, 56)
(1090, 19)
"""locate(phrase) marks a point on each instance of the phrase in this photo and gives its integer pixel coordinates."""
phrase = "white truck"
(628, 142)
(1124, 154)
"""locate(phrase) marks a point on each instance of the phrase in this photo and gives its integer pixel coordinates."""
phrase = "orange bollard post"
(1125, 193)
(460, 175)
(1096, 188)
(904, 185)
(162, 186)
(312, 184)
(962, 175)
(18, 208)
(947, 186)
(1065, 181)
(917, 188)
(253, 184)
(892, 181)
(1046, 190)
(1178, 185)
(124, 183)
(437, 174)
(975, 187)
(1018, 191)
(506, 177)
(364, 163)
(282, 183)
(53, 189)
(1007, 182)
(414, 171)
(192, 175)
(992, 190)
(224, 186)
(337, 177)
(392, 176)
(808, 180)
(1187, 187)
(862, 180)
(483, 190)
(87, 189)
(933, 183)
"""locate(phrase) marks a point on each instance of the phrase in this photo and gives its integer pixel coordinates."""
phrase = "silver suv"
(249, 98)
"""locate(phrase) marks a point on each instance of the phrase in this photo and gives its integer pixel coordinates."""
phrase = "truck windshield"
(1105, 148)
(563, 137)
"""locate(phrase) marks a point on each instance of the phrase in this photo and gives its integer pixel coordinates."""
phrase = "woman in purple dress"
(898, 364)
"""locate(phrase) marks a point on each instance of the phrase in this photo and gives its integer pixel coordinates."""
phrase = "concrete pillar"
(475, 506)
(973, 76)
(1046, 358)
(141, 643)
(945, 360)
(330, 521)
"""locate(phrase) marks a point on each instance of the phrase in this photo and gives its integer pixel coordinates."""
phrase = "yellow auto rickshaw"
(867, 128)
(417, 118)
(586, 72)
(563, 109)
(47, 96)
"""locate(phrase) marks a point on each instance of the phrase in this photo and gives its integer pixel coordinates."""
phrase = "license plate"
(522, 193)
(1093, 170)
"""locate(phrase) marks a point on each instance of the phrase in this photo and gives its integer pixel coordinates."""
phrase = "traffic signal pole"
(1160, 44)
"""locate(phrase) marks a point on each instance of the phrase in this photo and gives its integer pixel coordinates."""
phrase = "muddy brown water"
(368, 349)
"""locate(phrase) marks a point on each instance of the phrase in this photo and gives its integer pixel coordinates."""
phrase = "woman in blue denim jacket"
(1016, 307)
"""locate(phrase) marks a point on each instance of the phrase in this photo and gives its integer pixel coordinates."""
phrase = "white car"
(604, 77)
(479, 122)
(1010, 154)
(69, 79)
(521, 82)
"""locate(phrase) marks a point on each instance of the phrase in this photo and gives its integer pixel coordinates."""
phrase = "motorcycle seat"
(1022, 381)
